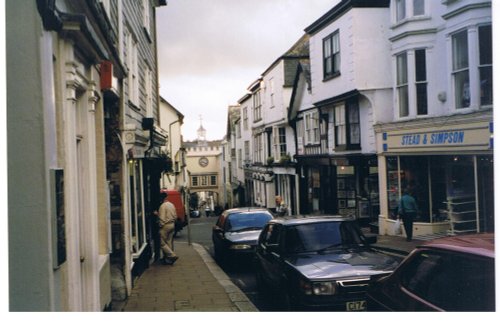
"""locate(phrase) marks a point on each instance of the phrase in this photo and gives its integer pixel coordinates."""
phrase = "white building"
(171, 121)
(78, 150)
(439, 136)
(268, 141)
(344, 90)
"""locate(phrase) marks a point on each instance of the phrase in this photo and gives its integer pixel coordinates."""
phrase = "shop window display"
(434, 179)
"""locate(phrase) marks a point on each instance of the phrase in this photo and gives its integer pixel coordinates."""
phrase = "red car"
(447, 274)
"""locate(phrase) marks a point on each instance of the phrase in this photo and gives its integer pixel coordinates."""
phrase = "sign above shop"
(474, 136)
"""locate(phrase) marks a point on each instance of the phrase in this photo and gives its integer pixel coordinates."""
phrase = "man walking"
(167, 217)
(408, 210)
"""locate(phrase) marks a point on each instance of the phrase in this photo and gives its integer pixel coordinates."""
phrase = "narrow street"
(242, 276)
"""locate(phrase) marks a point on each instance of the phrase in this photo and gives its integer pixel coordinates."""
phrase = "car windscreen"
(247, 221)
(321, 236)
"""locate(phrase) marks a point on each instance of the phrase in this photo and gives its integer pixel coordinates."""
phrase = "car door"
(269, 253)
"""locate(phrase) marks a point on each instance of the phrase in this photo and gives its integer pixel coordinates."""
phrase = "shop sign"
(470, 137)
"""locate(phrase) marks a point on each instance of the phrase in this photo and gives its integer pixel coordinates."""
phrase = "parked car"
(175, 197)
(447, 274)
(318, 262)
(236, 232)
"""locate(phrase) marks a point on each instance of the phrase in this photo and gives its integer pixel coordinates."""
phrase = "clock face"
(203, 161)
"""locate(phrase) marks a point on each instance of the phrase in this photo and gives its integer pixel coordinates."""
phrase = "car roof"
(246, 210)
(482, 244)
(309, 219)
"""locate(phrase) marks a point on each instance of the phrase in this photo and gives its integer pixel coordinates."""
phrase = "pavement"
(195, 283)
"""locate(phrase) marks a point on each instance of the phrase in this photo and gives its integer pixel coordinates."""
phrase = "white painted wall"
(364, 49)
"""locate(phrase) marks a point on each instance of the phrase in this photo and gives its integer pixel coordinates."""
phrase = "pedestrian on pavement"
(281, 209)
(407, 211)
(167, 217)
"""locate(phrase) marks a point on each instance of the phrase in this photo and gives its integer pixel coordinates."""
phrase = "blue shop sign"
(473, 136)
(448, 137)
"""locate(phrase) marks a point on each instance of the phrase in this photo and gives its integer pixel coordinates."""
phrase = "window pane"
(328, 66)
(420, 65)
(403, 101)
(462, 89)
(418, 7)
(485, 49)
(460, 51)
(335, 43)
(486, 85)
(422, 99)
(336, 62)
(327, 47)
(340, 128)
(400, 9)
(355, 137)
(402, 70)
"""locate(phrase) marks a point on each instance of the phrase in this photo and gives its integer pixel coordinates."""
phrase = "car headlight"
(240, 246)
(318, 288)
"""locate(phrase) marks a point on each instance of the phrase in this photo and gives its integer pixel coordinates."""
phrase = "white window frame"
(271, 92)
(146, 16)
(133, 68)
(340, 125)
(483, 66)
(399, 10)
(402, 86)
(245, 118)
(279, 143)
(247, 151)
(257, 106)
(138, 192)
(258, 148)
(404, 10)
(149, 92)
(421, 82)
(461, 70)
(311, 128)
(331, 55)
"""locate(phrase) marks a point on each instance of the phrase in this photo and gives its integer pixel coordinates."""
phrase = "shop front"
(344, 185)
(448, 167)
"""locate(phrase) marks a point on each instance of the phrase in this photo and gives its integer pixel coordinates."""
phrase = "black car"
(236, 232)
(319, 263)
(447, 274)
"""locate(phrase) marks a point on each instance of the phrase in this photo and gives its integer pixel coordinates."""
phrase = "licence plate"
(356, 306)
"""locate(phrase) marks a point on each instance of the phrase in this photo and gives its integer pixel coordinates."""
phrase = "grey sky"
(211, 50)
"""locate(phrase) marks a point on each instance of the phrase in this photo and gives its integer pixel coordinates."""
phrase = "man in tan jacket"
(167, 217)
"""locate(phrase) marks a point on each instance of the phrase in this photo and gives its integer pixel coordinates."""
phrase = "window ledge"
(332, 76)
(409, 20)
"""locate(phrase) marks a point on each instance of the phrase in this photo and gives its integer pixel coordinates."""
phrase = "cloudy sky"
(210, 51)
